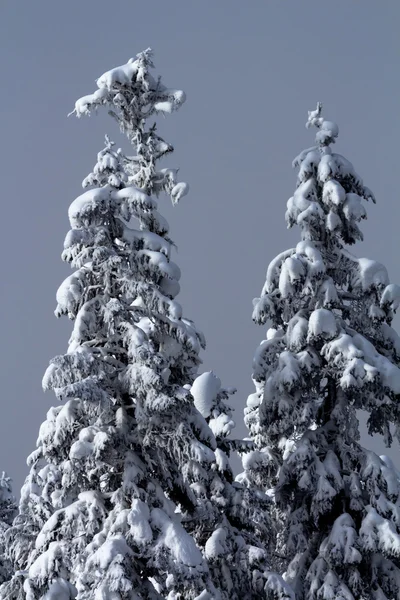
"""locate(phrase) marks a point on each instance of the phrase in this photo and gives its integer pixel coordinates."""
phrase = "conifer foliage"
(330, 350)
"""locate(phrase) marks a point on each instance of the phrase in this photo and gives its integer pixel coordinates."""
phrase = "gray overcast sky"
(251, 71)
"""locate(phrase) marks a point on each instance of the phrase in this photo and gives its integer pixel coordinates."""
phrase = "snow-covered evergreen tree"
(127, 473)
(8, 510)
(98, 511)
(330, 350)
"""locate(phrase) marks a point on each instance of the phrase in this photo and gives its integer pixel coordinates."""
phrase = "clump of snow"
(70, 292)
(322, 324)
(175, 539)
(178, 191)
(391, 296)
(115, 548)
(333, 194)
(216, 544)
(369, 273)
(353, 209)
(204, 390)
(123, 75)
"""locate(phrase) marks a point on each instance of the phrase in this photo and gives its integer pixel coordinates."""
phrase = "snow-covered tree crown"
(338, 210)
(133, 96)
(329, 350)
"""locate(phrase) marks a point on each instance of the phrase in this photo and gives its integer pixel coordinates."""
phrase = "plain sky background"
(251, 70)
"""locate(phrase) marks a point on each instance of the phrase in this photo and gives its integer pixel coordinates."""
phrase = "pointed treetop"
(145, 57)
(327, 130)
(108, 143)
(336, 212)
(314, 116)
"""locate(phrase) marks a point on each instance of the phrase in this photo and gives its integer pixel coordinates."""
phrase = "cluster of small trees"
(131, 494)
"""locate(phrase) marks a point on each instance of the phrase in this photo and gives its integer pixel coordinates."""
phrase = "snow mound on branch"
(70, 293)
(166, 267)
(99, 201)
(369, 273)
(216, 545)
(296, 334)
(46, 563)
(87, 203)
(340, 546)
(353, 209)
(378, 534)
(58, 590)
(115, 549)
(389, 372)
(122, 75)
(361, 362)
(222, 425)
(83, 105)
(138, 519)
(391, 296)
(258, 459)
(204, 391)
(179, 543)
(279, 588)
(132, 197)
(178, 191)
(322, 324)
(327, 168)
(333, 193)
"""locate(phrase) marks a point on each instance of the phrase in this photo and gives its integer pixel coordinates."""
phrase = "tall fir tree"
(98, 514)
(127, 473)
(330, 350)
